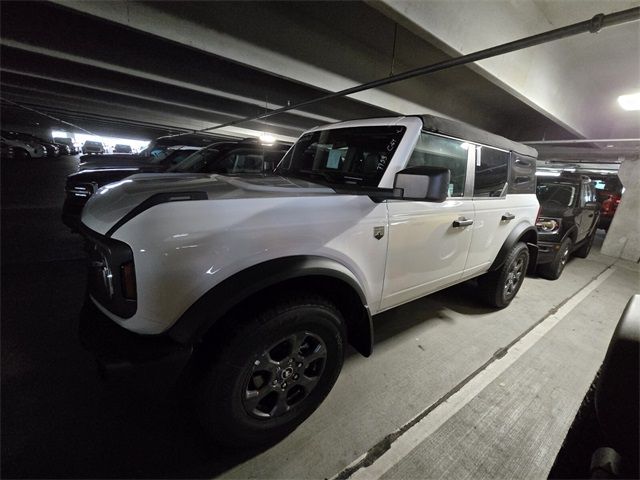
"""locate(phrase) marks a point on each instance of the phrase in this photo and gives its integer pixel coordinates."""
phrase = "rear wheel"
(553, 269)
(272, 372)
(499, 287)
(583, 251)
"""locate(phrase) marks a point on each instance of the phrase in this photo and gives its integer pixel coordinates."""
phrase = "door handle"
(507, 217)
(462, 222)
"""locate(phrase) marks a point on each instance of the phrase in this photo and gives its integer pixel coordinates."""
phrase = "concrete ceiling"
(162, 67)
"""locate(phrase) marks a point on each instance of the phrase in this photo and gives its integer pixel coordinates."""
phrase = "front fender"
(222, 298)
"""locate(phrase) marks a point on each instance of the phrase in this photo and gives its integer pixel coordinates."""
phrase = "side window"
(434, 151)
(492, 168)
(587, 194)
(522, 178)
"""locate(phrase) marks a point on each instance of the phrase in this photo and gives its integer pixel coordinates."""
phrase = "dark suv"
(567, 220)
(247, 156)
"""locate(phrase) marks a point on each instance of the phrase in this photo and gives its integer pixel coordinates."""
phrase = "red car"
(609, 192)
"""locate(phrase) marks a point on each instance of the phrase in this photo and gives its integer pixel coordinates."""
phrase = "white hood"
(115, 200)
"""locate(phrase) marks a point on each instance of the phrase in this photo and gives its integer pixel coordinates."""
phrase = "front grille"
(106, 260)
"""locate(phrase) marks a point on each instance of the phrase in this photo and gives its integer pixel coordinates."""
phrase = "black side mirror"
(427, 184)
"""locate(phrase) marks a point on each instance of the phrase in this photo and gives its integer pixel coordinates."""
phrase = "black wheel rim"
(514, 276)
(283, 375)
(564, 258)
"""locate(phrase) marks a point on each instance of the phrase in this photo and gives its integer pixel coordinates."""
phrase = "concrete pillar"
(623, 238)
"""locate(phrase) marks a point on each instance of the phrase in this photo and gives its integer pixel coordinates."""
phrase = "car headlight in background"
(548, 225)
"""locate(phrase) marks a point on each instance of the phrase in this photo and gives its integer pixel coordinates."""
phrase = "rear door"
(428, 242)
(496, 213)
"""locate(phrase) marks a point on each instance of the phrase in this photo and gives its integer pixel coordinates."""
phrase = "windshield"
(343, 156)
(225, 159)
(549, 192)
(175, 156)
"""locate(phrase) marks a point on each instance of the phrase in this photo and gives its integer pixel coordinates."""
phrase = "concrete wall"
(623, 238)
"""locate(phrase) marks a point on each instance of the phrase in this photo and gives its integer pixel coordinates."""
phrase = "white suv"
(258, 282)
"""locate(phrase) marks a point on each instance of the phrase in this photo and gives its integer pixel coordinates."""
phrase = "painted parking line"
(406, 439)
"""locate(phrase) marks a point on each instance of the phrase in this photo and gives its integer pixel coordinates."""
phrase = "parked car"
(24, 145)
(9, 152)
(91, 146)
(259, 281)
(567, 221)
(51, 148)
(74, 150)
(609, 193)
(64, 148)
(122, 148)
(156, 148)
(81, 185)
(248, 156)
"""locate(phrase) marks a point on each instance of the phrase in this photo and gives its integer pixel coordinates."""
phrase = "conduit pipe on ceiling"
(593, 25)
(64, 122)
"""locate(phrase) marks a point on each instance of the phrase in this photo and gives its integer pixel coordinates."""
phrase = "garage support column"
(623, 238)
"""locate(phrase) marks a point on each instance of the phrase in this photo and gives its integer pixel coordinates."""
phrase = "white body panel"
(182, 249)
(489, 231)
(425, 252)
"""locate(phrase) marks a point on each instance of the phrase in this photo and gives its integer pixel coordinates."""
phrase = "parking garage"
(142, 146)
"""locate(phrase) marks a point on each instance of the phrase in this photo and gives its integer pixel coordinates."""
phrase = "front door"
(429, 242)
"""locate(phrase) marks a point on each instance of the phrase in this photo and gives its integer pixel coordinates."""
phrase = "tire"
(272, 372)
(585, 248)
(499, 287)
(553, 269)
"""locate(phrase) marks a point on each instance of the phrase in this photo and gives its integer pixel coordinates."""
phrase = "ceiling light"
(267, 139)
(630, 102)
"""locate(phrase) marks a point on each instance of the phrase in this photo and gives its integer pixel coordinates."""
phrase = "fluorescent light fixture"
(630, 102)
(546, 173)
(267, 139)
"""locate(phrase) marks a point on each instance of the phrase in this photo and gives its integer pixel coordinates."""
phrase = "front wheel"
(499, 287)
(272, 372)
(553, 269)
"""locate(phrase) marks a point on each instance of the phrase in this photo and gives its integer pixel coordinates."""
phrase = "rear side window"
(522, 178)
(492, 168)
(434, 151)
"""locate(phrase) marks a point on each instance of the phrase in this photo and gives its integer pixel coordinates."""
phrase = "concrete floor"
(59, 420)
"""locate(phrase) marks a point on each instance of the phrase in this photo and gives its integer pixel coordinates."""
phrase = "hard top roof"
(465, 131)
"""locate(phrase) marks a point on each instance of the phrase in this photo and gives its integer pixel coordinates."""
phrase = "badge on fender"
(378, 232)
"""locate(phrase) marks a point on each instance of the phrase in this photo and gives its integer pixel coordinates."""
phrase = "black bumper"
(547, 252)
(119, 352)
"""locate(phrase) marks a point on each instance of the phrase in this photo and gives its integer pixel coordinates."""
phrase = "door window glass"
(434, 151)
(492, 168)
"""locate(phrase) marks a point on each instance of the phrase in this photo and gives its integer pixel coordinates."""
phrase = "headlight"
(548, 225)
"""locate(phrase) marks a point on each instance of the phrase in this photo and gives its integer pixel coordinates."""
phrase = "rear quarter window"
(522, 175)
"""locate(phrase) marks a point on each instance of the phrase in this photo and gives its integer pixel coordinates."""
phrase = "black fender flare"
(570, 232)
(530, 236)
(230, 293)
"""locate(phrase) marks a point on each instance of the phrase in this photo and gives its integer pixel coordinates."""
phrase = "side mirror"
(426, 184)
(591, 205)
